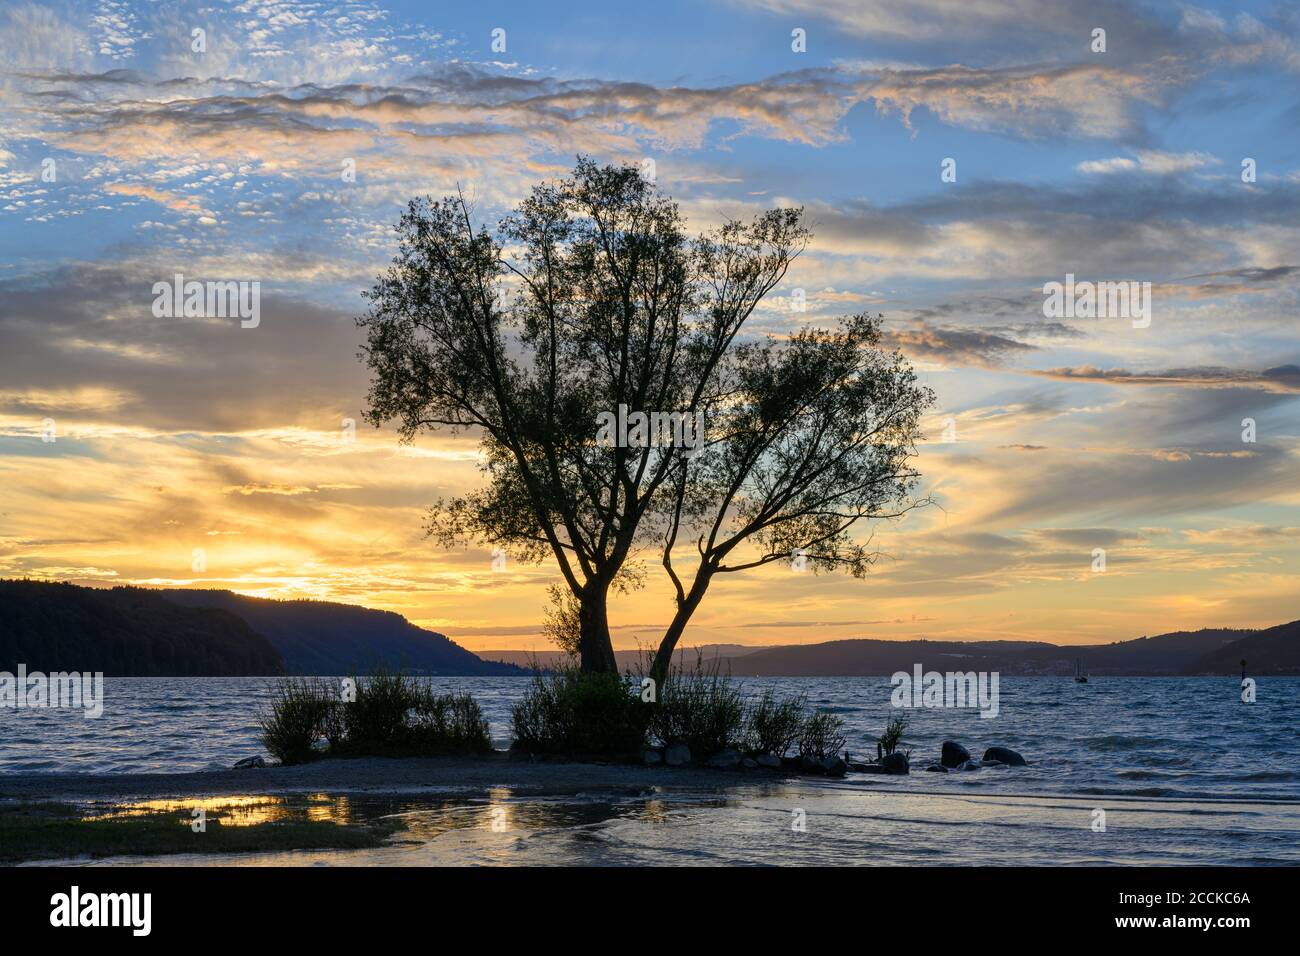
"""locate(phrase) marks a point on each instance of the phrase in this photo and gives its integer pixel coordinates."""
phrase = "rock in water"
(651, 757)
(833, 766)
(727, 760)
(936, 768)
(895, 763)
(954, 754)
(770, 761)
(250, 762)
(1005, 756)
(677, 754)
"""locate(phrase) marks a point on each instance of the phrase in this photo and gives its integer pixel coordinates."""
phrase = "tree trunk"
(594, 644)
(664, 656)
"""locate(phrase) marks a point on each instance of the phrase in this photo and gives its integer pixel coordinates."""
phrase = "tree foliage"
(591, 296)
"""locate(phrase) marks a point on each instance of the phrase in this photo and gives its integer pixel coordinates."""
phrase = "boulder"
(971, 765)
(651, 757)
(1004, 755)
(833, 766)
(954, 754)
(936, 768)
(808, 764)
(727, 760)
(770, 761)
(677, 754)
(895, 763)
(992, 763)
(251, 762)
(749, 763)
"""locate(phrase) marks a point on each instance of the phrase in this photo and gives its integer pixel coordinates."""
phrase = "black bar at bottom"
(332, 906)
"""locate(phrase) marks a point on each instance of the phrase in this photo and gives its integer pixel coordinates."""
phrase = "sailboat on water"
(1080, 675)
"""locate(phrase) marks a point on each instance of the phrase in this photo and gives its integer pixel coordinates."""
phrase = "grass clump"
(303, 712)
(387, 714)
(772, 726)
(822, 735)
(700, 708)
(889, 740)
(569, 712)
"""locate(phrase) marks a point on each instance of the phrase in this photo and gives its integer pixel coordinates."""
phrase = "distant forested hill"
(320, 637)
(124, 632)
(1211, 651)
(1274, 650)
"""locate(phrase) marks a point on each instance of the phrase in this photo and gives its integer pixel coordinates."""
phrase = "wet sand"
(500, 812)
(375, 775)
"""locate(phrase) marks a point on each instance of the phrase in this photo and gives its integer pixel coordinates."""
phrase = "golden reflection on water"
(499, 811)
(239, 811)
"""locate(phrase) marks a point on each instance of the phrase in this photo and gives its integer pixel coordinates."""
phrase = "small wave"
(1116, 742)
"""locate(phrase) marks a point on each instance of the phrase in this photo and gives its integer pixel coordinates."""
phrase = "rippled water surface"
(1137, 736)
(1184, 770)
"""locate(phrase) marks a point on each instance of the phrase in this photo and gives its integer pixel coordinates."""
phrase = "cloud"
(1135, 32)
(1085, 100)
(93, 325)
(1247, 536)
(460, 113)
(1149, 161)
(1282, 379)
(953, 346)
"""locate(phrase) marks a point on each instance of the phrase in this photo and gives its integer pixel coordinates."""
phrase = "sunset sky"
(175, 434)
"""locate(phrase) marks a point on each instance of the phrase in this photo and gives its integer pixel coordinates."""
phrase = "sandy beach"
(371, 775)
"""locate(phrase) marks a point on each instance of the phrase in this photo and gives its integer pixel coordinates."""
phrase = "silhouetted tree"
(591, 296)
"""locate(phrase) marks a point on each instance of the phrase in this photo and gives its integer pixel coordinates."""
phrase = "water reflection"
(844, 825)
(235, 811)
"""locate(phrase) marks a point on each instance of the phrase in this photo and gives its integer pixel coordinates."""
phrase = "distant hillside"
(1275, 650)
(124, 632)
(869, 658)
(320, 637)
(1174, 653)
(1211, 651)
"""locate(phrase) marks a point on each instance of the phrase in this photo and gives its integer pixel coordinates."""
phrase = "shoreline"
(377, 775)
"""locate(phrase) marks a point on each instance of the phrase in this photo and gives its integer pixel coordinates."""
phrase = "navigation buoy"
(1247, 685)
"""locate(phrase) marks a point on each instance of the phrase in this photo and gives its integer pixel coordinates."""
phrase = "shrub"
(822, 735)
(893, 734)
(303, 710)
(392, 715)
(568, 711)
(376, 722)
(772, 726)
(699, 708)
(448, 724)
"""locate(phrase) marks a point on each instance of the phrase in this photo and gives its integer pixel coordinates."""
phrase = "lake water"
(1185, 772)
